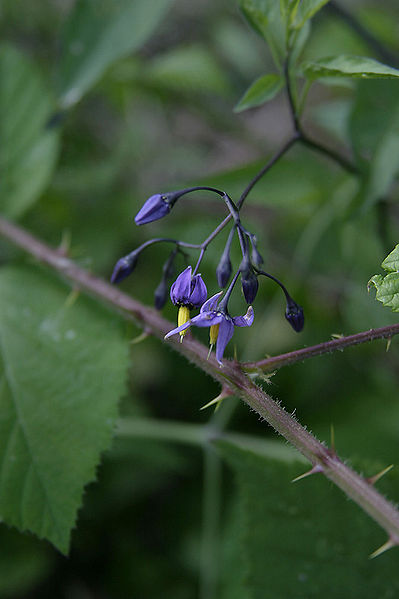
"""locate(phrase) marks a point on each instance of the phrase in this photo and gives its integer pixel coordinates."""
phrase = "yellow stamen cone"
(213, 333)
(183, 316)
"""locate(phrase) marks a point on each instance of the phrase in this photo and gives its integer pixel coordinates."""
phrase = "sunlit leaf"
(387, 286)
(266, 19)
(305, 10)
(348, 66)
(62, 372)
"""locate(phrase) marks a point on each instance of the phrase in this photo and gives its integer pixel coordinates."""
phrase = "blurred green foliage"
(103, 104)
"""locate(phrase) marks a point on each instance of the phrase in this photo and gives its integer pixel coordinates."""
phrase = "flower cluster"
(189, 292)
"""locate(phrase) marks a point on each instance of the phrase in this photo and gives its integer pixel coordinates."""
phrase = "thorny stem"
(300, 355)
(231, 375)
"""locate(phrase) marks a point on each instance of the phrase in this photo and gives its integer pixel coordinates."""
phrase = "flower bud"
(124, 267)
(295, 316)
(256, 257)
(156, 207)
(223, 270)
(161, 294)
(249, 283)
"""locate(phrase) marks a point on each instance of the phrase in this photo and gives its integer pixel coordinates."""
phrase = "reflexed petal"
(181, 288)
(244, 321)
(154, 208)
(226, 331)
(207, 319)
(198, 291)
(183, 327)
(210, 305)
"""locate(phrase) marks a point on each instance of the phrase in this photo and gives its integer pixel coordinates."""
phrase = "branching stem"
(231, 375)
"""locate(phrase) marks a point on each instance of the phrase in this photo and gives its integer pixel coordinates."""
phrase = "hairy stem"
(299, 355)
(231, 375)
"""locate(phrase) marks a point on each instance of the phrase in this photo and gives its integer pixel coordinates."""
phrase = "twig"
(299, 355)
(231, 375)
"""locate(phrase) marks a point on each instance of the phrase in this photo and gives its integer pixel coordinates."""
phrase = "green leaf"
(297, 538)
(391, 262)
(188, 68)
(305, 10)
(29, 150)
(97, 33)
(62, 372)
(374, 129)
(387, 286)
(265, 18)
(262, 90)
(348, 66)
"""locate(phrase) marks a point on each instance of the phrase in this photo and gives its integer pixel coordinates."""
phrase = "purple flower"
(220, 322)
(188, 290)
(157, 206)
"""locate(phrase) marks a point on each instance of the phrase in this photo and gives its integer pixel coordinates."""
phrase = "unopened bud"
(295, 316)
(124, 267)
(223, 270)
(249, 283)
(161, 294)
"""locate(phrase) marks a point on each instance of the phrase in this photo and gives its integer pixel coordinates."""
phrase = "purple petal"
(210, 305)
(226, 331)
(198, 291)
(178, 329)
(154, 208)
(244, 321)
(207, 319)
(181, 288)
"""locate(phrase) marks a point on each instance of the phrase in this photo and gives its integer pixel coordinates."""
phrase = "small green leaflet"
(348, 66)
(62, 371)
(304, 10)
(387, 286)
(262, 90)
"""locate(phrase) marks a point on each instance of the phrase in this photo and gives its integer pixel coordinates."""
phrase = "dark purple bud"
(161, 294)
(256, 257)
(295, 316)
(223, 270)
(249, 283)
(124, 267)
(156, 207)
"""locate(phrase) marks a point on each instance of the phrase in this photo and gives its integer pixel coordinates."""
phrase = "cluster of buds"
(189, 292)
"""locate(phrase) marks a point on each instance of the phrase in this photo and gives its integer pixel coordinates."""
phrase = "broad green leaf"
(28, 150)
(266, 19)
(387, 286)
(348, 66)
(97, 33)
(295, 539)
(62, 372)
(305, 10)
(262, 90)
